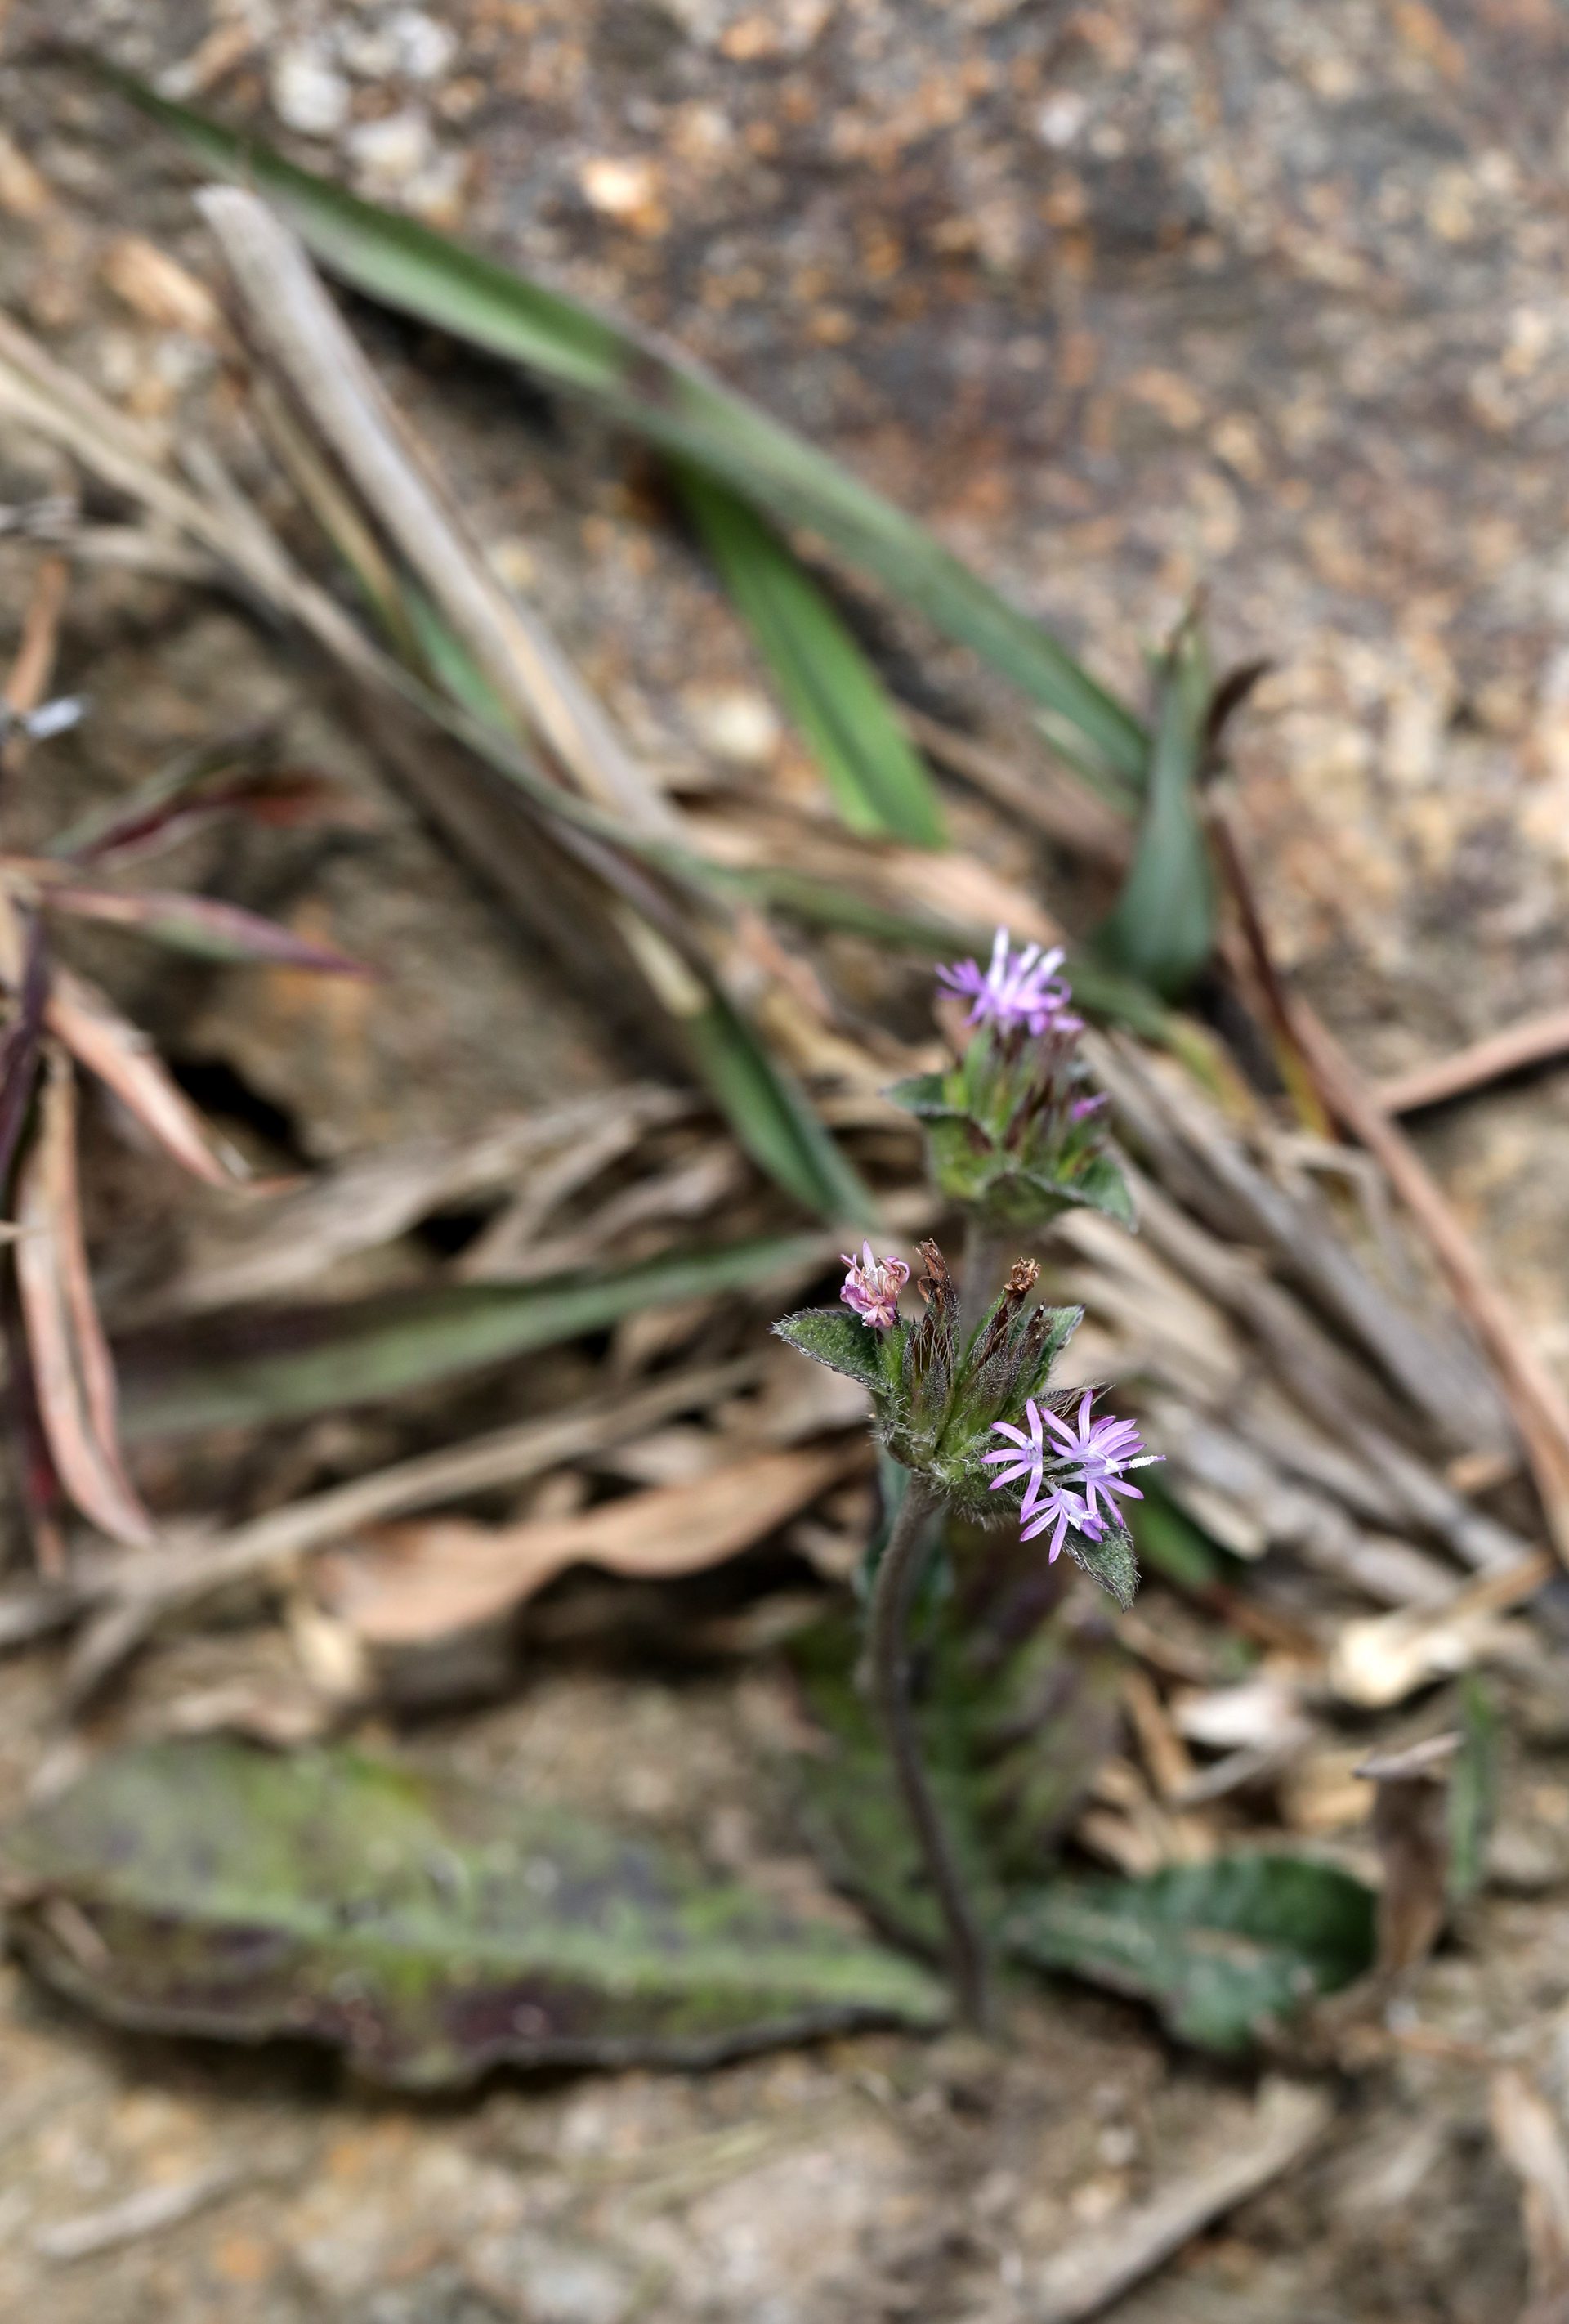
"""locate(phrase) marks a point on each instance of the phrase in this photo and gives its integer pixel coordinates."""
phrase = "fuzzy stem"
(893, 1594)
(984, 1244)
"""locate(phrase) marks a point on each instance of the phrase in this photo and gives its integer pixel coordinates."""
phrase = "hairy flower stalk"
(899, 1573)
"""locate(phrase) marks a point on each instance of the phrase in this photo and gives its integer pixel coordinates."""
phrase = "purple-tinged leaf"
(430, 1929)
(200, 925)
(72, 1372)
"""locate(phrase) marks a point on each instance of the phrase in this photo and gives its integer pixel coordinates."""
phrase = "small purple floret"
(1074, 1481)
(872, 1287)
(1016, 988)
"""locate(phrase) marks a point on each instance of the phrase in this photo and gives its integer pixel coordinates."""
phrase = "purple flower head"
(872, 1287)
(1017, 988)
(1073, 1481)
(1083, 1109)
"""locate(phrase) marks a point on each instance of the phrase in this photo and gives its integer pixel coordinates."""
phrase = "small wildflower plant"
(1016, 1129)
(965, 1404)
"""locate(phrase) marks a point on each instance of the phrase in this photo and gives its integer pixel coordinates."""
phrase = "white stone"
(308, 95)
(1061, 118)
(393, 151)
(426, 48)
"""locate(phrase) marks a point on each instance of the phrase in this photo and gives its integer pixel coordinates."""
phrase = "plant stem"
(984, 1245)
(893, 1594)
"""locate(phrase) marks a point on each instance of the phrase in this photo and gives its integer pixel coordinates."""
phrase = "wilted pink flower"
(872, 1287)
(1016, 988)
(1068, 1479)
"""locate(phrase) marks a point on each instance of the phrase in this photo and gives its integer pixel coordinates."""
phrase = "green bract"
(936, 1393)
(1005, 1136)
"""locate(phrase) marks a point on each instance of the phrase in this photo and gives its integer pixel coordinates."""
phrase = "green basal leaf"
(675, 404)
(1111, 1561)
(834, 1337)
(1224, 1950)
(856, 1819)
(878, 779)
(430, 1929)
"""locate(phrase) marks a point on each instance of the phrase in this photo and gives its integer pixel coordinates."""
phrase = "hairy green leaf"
(834, 1337)
(1223, 1950)
(429, 1928)
(1111, 1561)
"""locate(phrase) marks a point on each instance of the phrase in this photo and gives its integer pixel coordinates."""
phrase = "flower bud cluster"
(942, 1396)
(1016, 1129)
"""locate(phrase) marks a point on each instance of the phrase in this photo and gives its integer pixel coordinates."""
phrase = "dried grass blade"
(28, 682)
(1534, 1041)
(72, 1371)
(135, 1593)
(122, 1058)
(303, 335)
(1537, 1404)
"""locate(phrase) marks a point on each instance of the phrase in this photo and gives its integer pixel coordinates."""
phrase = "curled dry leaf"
(1411, 1832)
(407, 1584)
(72, 1373)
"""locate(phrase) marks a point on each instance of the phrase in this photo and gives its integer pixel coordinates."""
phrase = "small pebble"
(308, 94)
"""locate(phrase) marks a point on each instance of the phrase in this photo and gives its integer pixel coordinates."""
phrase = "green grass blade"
(769, 1113)
(877, 777)
(761, 1101)
(671, 401)
(282, 1364)
(1161, 928)
(1104, 992)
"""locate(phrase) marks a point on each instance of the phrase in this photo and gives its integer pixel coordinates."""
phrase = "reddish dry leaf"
(73, 1377)
(122, 1058)
(30, 672)
(407, 1584)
